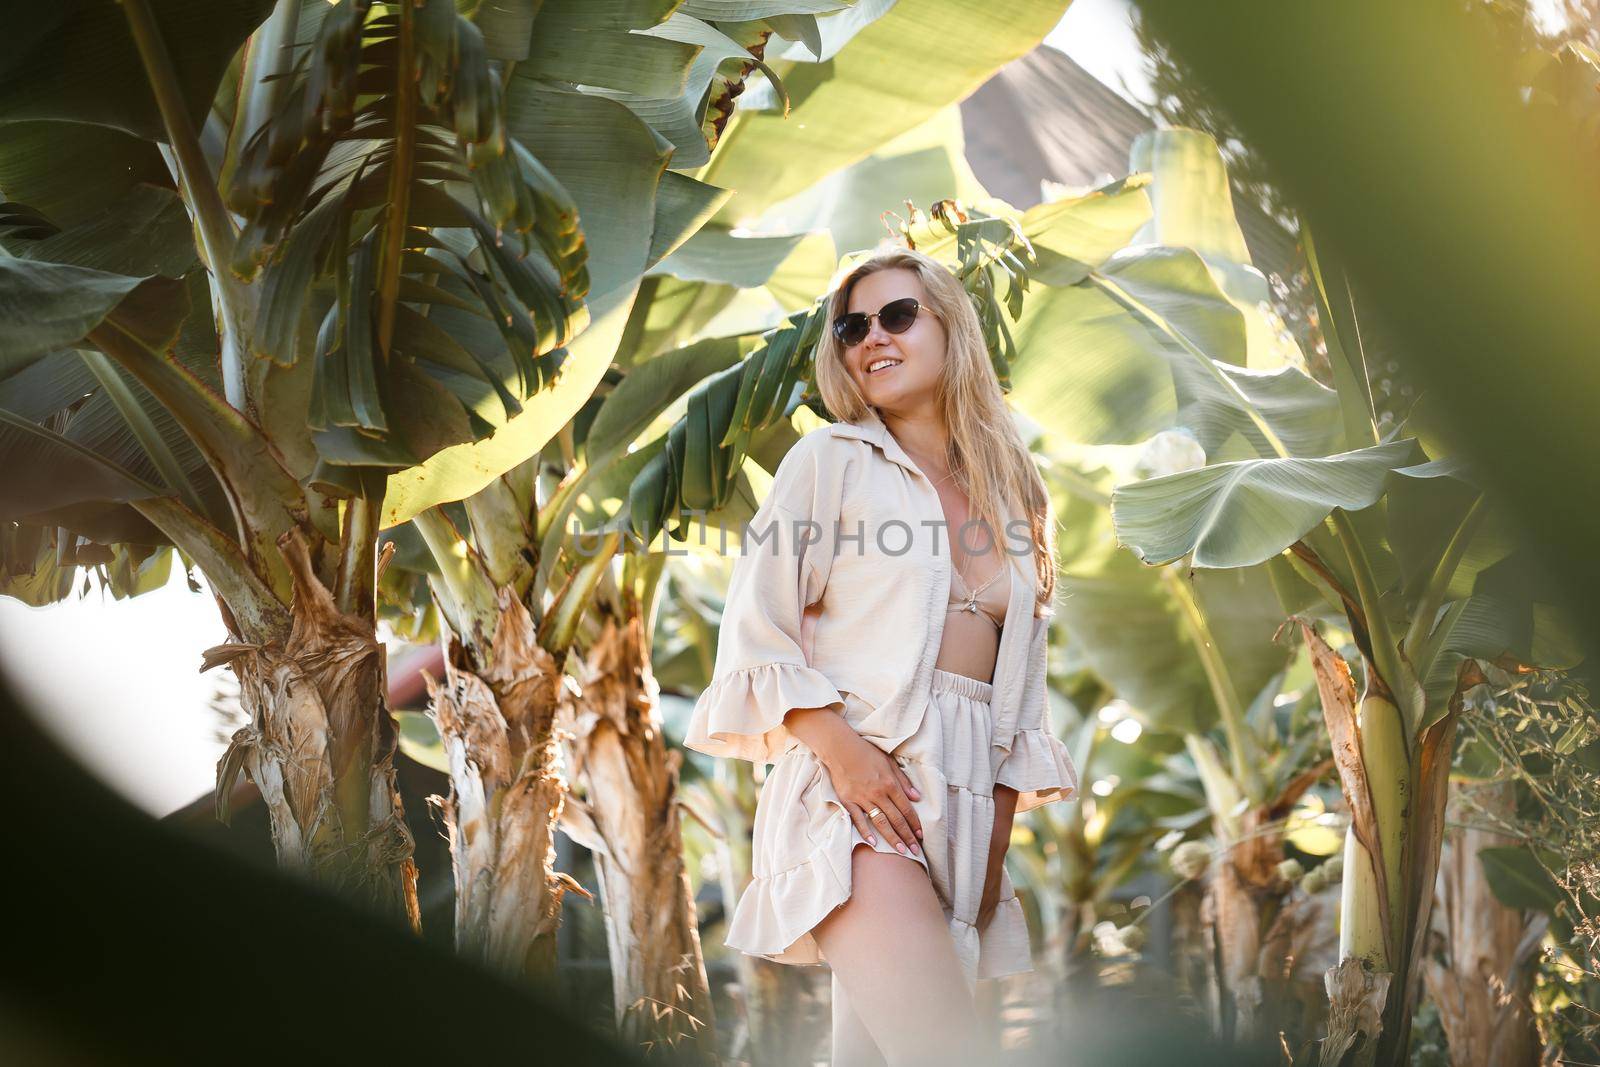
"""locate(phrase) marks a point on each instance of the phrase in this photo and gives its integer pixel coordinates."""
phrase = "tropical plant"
(506, 577)
(1414, 577)
(1192, 654)
(773, 1024)
(1518, 883)
(234, 356)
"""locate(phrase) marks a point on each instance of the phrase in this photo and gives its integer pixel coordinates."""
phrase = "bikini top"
(990, 599)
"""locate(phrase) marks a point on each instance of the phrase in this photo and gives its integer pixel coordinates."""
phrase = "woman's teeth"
(881, 364)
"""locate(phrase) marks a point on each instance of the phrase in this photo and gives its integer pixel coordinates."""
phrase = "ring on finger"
(875, 813)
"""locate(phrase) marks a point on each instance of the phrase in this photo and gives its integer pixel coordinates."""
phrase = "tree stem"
(1241, 743)
(199, 190)
(1386, 661)
(355, 588)
(1439, 582)
(405, 146)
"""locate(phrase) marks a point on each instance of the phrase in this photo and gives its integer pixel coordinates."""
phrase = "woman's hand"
(875, 791)
(869, 781)
(1005, 812)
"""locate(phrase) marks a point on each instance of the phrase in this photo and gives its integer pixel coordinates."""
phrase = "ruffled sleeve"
(761, 672)
(1037, 765)
(1038, 768)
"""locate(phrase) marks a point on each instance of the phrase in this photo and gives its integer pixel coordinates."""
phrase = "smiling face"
(897, 373)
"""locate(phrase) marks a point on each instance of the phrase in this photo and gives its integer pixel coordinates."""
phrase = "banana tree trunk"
(1481, 982)
(1395, 784)
(496, 712)
(1245, 895)
(320, 746)
(1256, 938)
(630, 784)
(774, 995)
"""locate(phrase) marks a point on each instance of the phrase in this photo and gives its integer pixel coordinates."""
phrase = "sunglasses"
(896, 317)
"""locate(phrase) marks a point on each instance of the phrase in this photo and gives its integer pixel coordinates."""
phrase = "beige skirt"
(804, 838)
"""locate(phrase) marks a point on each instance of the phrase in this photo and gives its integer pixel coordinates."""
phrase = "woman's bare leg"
(890, 948)
(852, 1044)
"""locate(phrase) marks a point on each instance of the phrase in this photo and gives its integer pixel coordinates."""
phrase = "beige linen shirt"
(853, 526)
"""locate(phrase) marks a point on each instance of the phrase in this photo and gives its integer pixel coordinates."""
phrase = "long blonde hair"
(986, 454)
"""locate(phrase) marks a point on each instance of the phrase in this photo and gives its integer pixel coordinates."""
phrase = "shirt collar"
(870, 428)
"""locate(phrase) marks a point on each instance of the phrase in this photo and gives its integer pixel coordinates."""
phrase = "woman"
(884, 645)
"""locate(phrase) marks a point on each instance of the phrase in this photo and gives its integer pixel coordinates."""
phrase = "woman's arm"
(761, 668)
(864, 776)
(1005, 812)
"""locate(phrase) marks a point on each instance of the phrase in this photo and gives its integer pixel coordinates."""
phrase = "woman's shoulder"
(813, 474)
(830, 446)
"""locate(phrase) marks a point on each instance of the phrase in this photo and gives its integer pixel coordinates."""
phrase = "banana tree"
(1415, 579)
(501, 566)
(1184, 653)
(630, 818)
(221, 340)
(775, 1024)
(1194, 655)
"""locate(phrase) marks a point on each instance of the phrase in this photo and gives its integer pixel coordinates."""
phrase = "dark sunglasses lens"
(851, 329)
(898, 316)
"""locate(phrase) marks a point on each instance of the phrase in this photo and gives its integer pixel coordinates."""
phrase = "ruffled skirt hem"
(805, 840)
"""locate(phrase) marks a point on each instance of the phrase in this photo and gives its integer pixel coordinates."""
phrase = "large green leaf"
(1425, 507)
(1147, 342)
(613, 165)
(1090, 373)
(609, 160)
(145, 232)
(1194, 209)
(45, 307)
(1479, 627)
(897, 72)
(834, 30)
(582, 42)
(46, 470)
(1519, 880)
(747, 10)
(1124, 622)
(676, 114)
(678, 311)
(70, 171)
(652, 386)
(76, 60)
(924, 164)
(1076, 234)
(458, 472)
(97, 409)
(507, 27)
(715, 255)
(1243, 513)
(683, 206)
